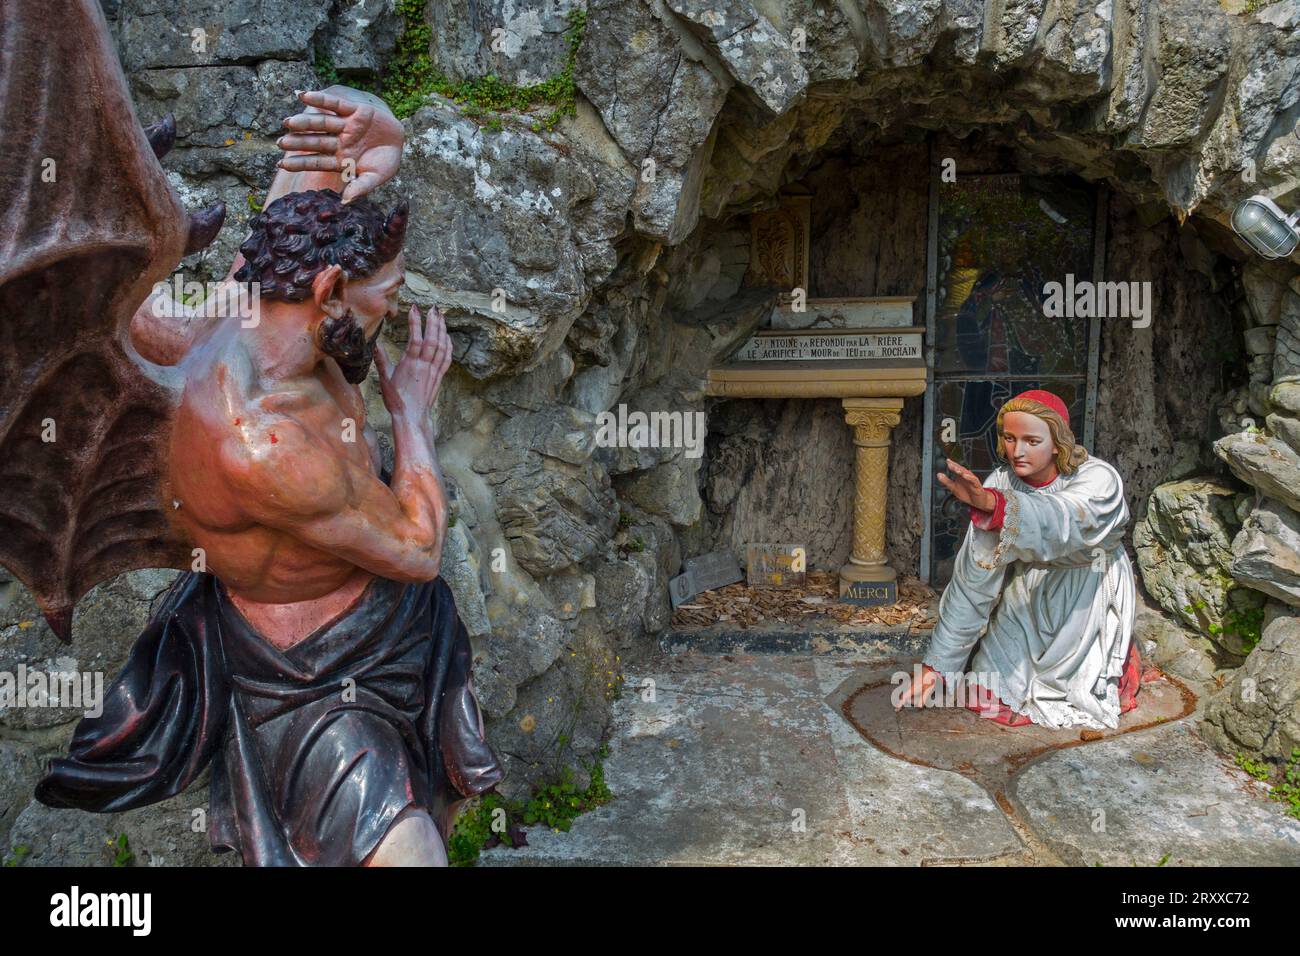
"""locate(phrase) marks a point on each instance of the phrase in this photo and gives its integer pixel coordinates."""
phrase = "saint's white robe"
(1055, 589)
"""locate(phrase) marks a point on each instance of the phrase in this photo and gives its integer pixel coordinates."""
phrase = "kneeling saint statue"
(1041, 589)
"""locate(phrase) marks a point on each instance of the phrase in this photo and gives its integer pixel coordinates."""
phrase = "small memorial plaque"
(704, 573)
(776, 565)
(830, 346)
(869, 593)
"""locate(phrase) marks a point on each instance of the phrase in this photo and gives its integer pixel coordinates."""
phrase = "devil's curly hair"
(299, 235)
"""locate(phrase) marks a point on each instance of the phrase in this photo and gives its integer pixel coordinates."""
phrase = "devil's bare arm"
(409, 391)
(163, 329)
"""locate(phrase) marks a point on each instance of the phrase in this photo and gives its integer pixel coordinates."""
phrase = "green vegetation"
(1287, 789)
(20, 854)
(411, 77)
(325, 69)
(473, 830)
(119, 852)
(1257, 770)
(555, 805)
(1243, 623)
(633, 543)
(558, 804)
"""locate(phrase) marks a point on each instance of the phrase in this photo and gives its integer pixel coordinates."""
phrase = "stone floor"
(737, 757)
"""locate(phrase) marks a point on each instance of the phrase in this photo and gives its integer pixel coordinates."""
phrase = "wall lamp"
(1266, 228)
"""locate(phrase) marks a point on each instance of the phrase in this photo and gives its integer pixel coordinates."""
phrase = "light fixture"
(1266, 228)
(1052, 214)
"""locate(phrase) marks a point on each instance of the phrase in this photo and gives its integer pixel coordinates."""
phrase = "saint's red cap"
(1048, 399)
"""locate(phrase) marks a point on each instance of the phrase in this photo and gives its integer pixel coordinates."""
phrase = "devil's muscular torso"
(248, 454)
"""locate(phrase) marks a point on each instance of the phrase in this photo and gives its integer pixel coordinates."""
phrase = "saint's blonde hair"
(1069, 453)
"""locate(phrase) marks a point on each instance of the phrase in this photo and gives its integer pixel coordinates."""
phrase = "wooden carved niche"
(778, 248)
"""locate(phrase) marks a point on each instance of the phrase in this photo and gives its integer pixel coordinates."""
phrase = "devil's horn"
(394, 231)
(204, 226)
(162, 135)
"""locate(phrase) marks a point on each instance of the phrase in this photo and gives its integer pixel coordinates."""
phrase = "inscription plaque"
(830, 346)
(869, 593)
(776, 565)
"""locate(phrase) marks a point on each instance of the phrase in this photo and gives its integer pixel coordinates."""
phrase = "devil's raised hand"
(410, 389)
(347, 132)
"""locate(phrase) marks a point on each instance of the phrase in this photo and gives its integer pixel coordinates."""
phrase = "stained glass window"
(1000, 241)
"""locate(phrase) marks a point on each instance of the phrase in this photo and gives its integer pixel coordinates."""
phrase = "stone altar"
(872, 371)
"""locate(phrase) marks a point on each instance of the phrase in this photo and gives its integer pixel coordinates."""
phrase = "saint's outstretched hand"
(966, 487)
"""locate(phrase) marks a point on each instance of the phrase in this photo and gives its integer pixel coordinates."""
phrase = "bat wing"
(88, 225)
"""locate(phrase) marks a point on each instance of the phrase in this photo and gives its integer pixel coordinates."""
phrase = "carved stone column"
(867, 579)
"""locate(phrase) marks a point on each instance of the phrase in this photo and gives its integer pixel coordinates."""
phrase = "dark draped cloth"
(315, 750)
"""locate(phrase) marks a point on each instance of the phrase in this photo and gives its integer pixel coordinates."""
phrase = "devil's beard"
(344, 340)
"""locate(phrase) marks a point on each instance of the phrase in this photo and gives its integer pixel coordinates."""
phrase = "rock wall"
(1258, 713)
(616, 243)
(1159, 387)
